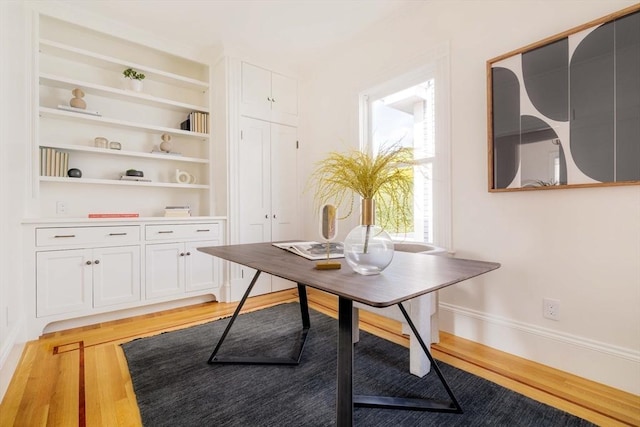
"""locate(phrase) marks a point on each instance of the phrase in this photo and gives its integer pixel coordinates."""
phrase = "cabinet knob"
(96, 261)
(266, 216)
(273, 100)
(188, 253)
(268, 99)
(88, 262)
(274, 216)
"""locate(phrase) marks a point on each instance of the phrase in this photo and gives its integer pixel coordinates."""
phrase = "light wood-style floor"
(80, 377)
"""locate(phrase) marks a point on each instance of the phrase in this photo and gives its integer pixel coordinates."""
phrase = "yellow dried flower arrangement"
(385, 177)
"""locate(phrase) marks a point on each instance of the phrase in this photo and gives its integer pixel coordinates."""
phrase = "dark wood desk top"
(409, 275)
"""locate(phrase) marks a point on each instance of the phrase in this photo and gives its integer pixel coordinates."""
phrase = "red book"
(114, 215)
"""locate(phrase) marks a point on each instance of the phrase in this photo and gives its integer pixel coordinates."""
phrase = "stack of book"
(196, 122)
(53, 162)
(177, 211)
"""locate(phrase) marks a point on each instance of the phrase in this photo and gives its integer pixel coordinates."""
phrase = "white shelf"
(62, 114)
(70, 52)
(131, 96)
(106, 151)
(121, 182)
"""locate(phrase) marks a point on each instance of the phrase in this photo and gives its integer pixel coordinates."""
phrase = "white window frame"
(437, 67)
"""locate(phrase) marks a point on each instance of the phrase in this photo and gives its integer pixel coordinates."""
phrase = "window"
(412, 110)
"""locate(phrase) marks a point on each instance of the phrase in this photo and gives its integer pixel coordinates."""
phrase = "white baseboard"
(10, 354)
(608, 364)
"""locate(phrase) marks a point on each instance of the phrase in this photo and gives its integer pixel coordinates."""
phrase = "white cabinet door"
(116, 275)
(63, 281)
(284, 99)
(268, 194)
(202, 270)
(255, 92)
(164, 270)
(267, 95)
(254, 181)
(285, 191)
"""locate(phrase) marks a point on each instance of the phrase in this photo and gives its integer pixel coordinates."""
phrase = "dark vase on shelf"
(74, 173)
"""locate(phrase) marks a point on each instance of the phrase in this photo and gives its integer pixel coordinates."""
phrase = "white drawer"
(62, 236)
(209, 231)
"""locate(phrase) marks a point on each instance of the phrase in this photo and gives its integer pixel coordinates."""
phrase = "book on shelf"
(177, 211)
(196, 122)
(170, 153)
(133, 178)
(53, 162)
(177, 214)
(78, 110)
(313, 250)
(114, 215)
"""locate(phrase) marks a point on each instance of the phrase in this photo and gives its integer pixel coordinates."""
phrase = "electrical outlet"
(551, 308)
(61, 208)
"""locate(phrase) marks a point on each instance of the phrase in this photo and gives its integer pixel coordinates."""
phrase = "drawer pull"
(61, 236)
(117, 234)
(88, 263)
(202, 231)
(165, 232)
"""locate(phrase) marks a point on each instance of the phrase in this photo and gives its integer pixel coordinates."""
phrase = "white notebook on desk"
(313, 250)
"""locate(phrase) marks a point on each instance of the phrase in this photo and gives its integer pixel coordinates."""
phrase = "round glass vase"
(368, 249)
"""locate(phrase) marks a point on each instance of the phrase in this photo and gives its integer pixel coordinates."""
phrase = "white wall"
(14, 125)
(580, 246)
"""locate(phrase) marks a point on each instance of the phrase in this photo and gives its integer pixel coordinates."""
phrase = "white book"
(133, 178)
(313, 250)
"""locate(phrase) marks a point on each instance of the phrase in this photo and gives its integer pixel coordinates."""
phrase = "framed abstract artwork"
(565, 112)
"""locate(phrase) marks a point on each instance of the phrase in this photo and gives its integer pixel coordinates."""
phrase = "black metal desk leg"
(455, 406)
(418, 404)
(344, 401)
(304, 305)
(235, 315)
(298, 347)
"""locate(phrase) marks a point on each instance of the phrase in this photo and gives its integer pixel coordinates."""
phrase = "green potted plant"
(385, 178)
(134, 78)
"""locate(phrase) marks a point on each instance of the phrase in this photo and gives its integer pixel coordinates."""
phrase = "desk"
(408, 276)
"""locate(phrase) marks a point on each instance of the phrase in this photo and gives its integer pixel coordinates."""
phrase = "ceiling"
(293, 28)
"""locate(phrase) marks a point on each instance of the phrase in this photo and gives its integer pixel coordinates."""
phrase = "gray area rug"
(175, 386)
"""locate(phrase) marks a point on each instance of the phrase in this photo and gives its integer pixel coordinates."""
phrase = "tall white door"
(285, 191)
(254, 179)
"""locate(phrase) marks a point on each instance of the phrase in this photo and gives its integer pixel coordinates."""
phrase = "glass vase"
(368, 249)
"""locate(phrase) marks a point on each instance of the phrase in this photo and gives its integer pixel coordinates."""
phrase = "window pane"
(407, 117)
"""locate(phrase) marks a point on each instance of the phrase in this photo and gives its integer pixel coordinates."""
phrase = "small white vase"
(135, 85)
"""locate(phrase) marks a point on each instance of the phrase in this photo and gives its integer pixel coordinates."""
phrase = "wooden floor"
(80, 376)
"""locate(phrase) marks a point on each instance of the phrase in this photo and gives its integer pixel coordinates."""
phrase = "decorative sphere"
(368, 249)
(166, 146)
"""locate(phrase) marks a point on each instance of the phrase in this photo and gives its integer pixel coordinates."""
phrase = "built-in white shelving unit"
(126, 257)
(69, 56)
